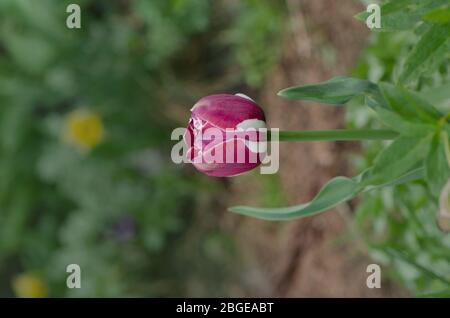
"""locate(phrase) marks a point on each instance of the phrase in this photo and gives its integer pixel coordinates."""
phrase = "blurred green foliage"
(399, 224)
(122, 210)
(257, 29)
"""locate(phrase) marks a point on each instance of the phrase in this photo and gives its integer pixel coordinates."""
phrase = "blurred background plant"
(85, 174)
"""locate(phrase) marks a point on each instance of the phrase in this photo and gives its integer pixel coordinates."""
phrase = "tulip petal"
(227, 159)
(226, 111)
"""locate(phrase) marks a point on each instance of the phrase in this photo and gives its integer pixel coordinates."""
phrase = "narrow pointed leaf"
(403, 126)
(438, 96)
(336, 191)
(427, 55)
(412, 175)
(402, 155)
(437, 168)
(400, 15)
(440, 294)
(410, 106)
(336, 91)
(427, 271)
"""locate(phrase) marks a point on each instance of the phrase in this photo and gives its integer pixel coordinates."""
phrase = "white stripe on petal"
(251, 123)
(256, 146)
(244, 96)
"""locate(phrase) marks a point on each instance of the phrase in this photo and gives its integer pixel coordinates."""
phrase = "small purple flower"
(125, 228)
(223, 134)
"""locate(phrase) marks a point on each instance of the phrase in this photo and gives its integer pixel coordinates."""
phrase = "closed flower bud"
(225, 135)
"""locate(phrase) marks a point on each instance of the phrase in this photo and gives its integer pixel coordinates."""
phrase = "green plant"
(256, 37)
(399, 224)
(419, 151)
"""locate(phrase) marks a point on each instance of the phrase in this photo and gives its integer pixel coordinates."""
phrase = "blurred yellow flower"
(28, 285)
(84, 129)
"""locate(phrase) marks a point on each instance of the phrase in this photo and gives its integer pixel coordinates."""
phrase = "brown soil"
(307, 257)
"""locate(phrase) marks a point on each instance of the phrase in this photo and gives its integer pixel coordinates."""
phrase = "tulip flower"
(223, 135)
(226, 135)
(237, 113)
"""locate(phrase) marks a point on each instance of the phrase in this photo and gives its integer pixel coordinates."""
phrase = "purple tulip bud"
(223, 135)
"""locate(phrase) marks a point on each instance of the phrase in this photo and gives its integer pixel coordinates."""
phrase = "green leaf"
(439, 15)
(410, 106)
(336, 191)
(439, 294)
(426, 56)
(413, 175)
(336, 91)
(427, 271)
(393, 16)
(366, 179)
(403, 126)
(437, 168)
(402, 155)
(438, 96)
(401, 15)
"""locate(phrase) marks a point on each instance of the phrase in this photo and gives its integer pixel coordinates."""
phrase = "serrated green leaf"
(402, 155)
(410, 106)
(427, 55)
(437, 168)
(336, 91)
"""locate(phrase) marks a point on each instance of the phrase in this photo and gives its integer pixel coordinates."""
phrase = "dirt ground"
(312, 257)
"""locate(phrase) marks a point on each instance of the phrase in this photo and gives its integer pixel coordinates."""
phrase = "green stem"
(337, 135)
